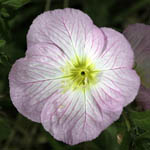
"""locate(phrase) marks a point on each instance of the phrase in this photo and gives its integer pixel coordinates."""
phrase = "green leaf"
(2, 43)
(4, 58)
(4, 12)
(15, 3)
(141, 119)
(4, 29)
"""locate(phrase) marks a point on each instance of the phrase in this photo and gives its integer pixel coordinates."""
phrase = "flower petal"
(143, 98)
(139, 37)
(33, 79)
(55, 56)
(75, 117)
(117, 53)
(67, 29)
(121, 85)
(95, 43)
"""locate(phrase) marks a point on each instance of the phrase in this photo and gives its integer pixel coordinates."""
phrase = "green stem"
(47, 5)
(126, 121)
(66, 3)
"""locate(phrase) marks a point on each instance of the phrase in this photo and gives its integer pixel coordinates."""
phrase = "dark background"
(130, 132)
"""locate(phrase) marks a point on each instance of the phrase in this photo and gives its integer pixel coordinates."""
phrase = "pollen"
(79, 74)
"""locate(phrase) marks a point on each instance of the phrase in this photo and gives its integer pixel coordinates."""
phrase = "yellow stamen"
(80, 75)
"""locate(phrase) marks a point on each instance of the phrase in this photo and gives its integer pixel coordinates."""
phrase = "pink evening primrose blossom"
(139, 37)
(75, 78)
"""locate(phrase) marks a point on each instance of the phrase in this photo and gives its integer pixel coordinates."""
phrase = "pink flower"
(139, 37)
(75, 78)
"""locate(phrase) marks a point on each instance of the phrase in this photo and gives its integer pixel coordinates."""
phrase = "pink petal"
(33, 79)
(95, 43)
(117, 52)
(67, 29)
(143, 98)
(139, 37)
(50, 52)
(120, 84)
(73, 117)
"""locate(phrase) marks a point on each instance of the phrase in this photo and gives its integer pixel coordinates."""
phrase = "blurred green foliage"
(14, 3)
(130, 132)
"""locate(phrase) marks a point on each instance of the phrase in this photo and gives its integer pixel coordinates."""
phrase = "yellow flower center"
(80, 74)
